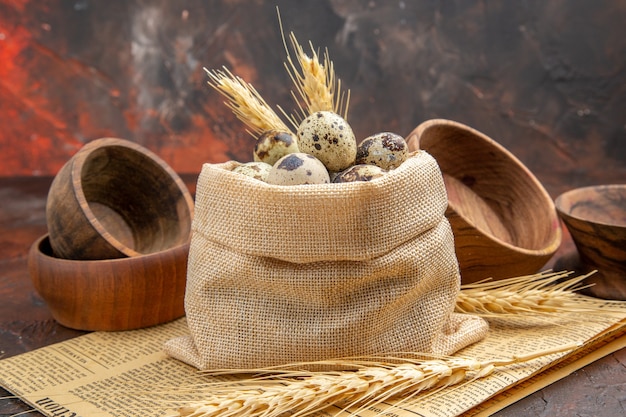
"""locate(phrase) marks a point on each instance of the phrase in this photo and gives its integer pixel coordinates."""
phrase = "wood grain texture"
(596, 219)
(504, 222)
(111, 294)
(115, 198)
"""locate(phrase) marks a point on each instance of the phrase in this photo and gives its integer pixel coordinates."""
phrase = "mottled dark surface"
(545, 79)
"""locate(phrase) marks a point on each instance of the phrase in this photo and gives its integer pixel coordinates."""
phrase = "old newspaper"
(127, 374)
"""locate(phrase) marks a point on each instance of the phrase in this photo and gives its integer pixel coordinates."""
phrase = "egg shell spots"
(386, 150)
(328, 137)
(256, 170)
(273, 145)
(296, 169)
(361, 172)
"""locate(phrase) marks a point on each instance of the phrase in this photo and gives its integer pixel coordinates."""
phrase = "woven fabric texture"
(284, 274)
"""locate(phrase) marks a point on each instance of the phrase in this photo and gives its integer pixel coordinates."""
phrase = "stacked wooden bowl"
(115, 256)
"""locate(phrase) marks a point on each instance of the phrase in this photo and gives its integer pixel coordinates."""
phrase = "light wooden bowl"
(596, 219)
(115, 198)
(504, 222)
(112, 294)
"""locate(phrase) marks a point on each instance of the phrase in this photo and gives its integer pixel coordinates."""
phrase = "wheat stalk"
(371, 383)
(363, 382)
(540, 294)
(316, 84)
(246, 102)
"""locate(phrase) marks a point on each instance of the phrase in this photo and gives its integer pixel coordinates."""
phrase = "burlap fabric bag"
(284, 274)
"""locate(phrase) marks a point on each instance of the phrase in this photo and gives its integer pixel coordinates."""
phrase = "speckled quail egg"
(386, 150)
(273, 145)
(328, 137)
(257, 170)
(361, 172)
(298, 168)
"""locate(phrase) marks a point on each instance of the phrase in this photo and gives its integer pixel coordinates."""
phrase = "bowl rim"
(553, 244)
(36, 249)
(77, 186)
(558, 202)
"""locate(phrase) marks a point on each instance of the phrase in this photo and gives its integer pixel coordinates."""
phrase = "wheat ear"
(540, 294)
(246, 102)
(316, 84)
(305, 393)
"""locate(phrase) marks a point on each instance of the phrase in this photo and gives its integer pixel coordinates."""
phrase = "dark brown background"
(546, 79)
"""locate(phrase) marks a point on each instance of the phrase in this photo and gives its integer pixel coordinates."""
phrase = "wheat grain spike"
(304, 393)
(316, 84)
(546, 293)
(246, 102)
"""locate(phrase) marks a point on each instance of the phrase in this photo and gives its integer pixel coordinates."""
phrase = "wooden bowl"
(596, 219)
(112, 294)
(504, 222)
(114, 199)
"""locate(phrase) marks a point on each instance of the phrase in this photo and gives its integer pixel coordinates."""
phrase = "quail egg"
(361, 172)
(386, 150)
(257, 170)
(298, 168)
(273, 145)
(327, 136)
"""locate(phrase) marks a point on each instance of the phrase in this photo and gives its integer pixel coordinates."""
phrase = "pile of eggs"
(324, 151)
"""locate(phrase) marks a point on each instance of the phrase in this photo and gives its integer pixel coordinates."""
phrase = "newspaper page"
(555, 372)
(126, 374)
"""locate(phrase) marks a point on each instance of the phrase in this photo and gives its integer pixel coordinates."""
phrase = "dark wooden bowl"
(112, 294)
(596, 219)
(504, 222)
(113, 199)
